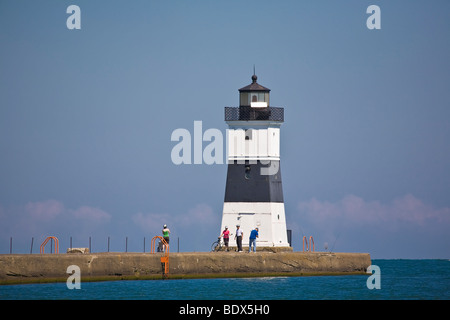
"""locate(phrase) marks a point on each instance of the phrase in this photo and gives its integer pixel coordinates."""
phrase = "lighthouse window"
(260, 97)
(248, 134)
(244, 99)
(249, 98)
(247, 172)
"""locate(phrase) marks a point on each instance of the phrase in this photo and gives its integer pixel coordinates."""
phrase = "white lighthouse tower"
(253, 193)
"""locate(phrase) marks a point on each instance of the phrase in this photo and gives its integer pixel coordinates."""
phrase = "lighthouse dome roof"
(254, 86)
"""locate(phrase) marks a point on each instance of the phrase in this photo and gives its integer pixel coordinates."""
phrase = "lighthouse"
(253, 192)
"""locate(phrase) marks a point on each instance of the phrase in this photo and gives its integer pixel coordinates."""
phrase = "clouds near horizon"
(50, 217)
(406, 209)
(196, 225)
(377, 226)
(349, 224)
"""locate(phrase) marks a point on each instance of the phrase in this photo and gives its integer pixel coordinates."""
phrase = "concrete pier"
(35, 268)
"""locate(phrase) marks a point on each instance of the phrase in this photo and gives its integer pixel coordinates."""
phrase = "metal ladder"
(165, 258)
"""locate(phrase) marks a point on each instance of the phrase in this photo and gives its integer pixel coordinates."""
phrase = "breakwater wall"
(31, 268)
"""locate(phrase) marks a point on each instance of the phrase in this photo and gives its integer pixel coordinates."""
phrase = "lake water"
(399, 279)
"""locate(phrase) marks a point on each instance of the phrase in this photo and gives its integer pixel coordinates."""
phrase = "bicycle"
(218, 245)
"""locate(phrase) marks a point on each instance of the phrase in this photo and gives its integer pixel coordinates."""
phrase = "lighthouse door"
(247, 222)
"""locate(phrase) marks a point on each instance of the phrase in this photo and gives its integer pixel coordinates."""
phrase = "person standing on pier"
(226, 237)
(253, 235)
(238, 238)
(166, 233)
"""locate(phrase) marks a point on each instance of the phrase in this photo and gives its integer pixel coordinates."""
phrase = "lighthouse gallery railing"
(249, 114)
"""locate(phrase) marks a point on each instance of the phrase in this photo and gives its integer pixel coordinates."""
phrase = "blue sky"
(86, 118)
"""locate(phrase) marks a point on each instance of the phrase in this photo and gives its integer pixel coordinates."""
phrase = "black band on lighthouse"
(245, 183)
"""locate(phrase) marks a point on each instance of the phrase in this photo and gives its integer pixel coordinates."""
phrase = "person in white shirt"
(238, 238)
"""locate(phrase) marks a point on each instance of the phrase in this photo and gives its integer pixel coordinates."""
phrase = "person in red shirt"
(226, 236)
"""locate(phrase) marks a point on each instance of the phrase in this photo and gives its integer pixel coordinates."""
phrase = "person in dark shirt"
(253, 235)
